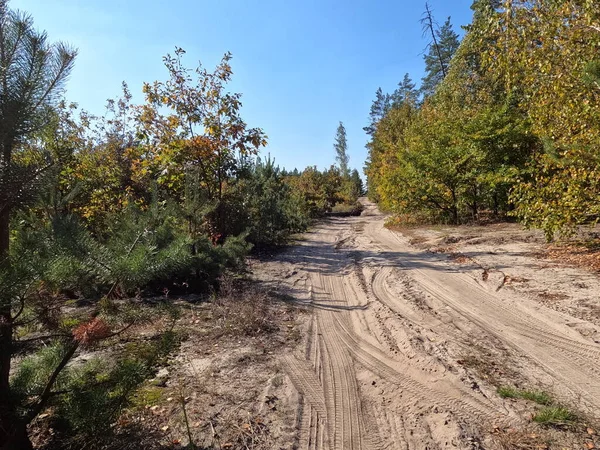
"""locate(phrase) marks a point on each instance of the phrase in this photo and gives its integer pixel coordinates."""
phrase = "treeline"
(506, 123)
(153, 199)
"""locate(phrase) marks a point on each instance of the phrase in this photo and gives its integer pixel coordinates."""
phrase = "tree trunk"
(496, 204)
(454, 207)
(13, 434)
(13, 430)
(455, 215)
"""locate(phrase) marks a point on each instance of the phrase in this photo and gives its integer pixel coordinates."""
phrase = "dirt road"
(384, 363)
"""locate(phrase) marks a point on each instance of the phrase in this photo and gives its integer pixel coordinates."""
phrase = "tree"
(444, 44)
(545, 51)
(341, 149)
(387, 146)
(356, 183)
(273, 209)
(192, 128)
(32, 75)
(406, 92)
(379, 108)
(33, 72)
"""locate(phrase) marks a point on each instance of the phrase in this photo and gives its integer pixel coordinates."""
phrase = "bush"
(345, 209)
(555, 416)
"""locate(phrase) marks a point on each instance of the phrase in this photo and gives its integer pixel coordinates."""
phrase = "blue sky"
(301, 65)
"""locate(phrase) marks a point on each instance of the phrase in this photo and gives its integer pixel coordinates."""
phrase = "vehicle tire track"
(563, 358)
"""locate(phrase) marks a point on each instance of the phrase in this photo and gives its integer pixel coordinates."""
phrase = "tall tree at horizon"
(405, 92)
(445, 43)
(341, 149)
(379, 108)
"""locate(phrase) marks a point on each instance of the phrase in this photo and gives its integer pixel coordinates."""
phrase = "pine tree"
(406, 92)
(379, 108)
(483, 8)
(444, 44)
(357, 188)
(341, 149)
(32, 74)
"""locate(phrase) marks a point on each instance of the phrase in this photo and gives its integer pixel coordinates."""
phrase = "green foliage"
(557, 194)
(35, 370)
(162, 197)
(506, 131)
(91, 395)
(558, 189)
(356, 187)
(406, 92)
(379, 108)
(556, 416)
(271, 210)
(539, 397)
(444, 44)
(96, 395)
(31, 80)
(318, 192)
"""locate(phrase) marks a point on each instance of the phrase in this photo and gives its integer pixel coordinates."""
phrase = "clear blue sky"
(301, 65)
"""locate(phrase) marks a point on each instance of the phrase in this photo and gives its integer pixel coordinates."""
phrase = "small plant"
(539, 397)
(555, 416)
(146, 396)
(508, 392)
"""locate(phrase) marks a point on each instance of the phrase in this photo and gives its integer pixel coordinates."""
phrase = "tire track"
(307, 383)
(347, 417)
(420, 403)
(573, 362)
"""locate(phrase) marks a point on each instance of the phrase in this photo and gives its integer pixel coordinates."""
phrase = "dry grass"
(552, 296)
(521, 440)
(583, 254)
(459, 258)
(243, 308)
(211, 393)
(494, 368)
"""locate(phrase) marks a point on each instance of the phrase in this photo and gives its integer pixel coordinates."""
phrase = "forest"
(504, 125)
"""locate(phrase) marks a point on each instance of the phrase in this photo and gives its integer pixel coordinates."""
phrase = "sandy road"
(380, 366)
